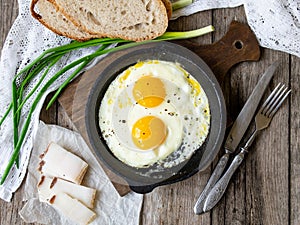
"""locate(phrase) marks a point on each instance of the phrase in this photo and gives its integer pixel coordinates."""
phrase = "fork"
(262, 121)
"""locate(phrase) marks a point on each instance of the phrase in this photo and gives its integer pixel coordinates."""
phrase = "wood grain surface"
(264, 190)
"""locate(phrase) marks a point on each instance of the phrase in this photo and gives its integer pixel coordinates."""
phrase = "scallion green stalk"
(181, 4)
(38, 84)
(15, 118)
(186, 34)
(9, 108)
(73, 75)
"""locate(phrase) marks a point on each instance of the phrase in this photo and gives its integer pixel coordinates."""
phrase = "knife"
(236, 133)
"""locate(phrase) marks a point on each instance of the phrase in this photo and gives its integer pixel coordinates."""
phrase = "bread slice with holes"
(135, 20)
(46, 13)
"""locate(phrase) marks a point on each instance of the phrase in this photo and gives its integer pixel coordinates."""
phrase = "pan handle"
(143, 189)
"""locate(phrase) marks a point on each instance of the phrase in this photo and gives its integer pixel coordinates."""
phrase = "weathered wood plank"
(294, 142)
(229, 209)
(268, 164)
(264, 190)
(9, 11)
(245, 201)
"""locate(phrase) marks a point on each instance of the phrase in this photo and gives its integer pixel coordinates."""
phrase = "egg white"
(185, 112)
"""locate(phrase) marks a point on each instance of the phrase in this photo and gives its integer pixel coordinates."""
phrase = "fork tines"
(275, 99)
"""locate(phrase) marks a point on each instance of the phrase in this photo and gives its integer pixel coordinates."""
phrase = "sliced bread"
(46, 13)
(135, 20)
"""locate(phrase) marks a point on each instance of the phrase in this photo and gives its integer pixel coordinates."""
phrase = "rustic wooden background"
(264, 190)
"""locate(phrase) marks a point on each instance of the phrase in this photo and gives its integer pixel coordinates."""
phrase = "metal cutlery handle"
(262, 121)
(198, 208)
(219, 189)
(216, 192)
(237, 131)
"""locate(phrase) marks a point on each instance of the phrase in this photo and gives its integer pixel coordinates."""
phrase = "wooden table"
(264, 190)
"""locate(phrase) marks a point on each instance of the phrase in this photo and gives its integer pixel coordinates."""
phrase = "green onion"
(181, 4)
(70, 78)
(39, 83)
(52, 56)
(186, 34)
(16, 117)
(6, 113)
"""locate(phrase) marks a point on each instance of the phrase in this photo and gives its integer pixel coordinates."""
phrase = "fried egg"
(152, 109)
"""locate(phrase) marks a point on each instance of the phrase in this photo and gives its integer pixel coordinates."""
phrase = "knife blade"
(237, 132)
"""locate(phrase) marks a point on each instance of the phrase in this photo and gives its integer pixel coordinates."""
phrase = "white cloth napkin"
(109, 206)
(275, 23)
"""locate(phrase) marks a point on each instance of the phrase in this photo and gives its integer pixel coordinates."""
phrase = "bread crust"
(151, 35)
(40, 18)
(85, 34)
(168, 5)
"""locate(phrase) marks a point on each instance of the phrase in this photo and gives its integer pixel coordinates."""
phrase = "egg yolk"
(149, 91)
(149, 132)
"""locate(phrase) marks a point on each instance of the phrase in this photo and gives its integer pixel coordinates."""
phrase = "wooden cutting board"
(238, 44)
